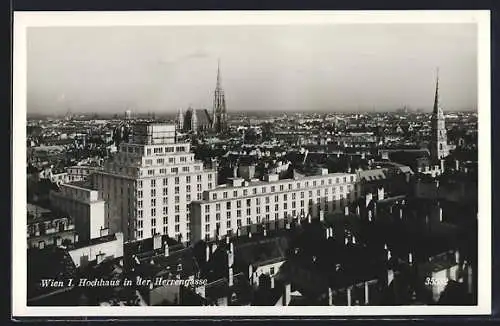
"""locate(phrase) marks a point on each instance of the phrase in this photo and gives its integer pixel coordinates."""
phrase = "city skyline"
(266, 68)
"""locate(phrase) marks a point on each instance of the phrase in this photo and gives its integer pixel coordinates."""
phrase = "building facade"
(438, 143)
(85, 207)
(247, 206)
(150, 183)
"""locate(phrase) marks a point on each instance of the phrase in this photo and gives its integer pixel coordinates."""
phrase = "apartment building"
(272, 203)
(150, 182)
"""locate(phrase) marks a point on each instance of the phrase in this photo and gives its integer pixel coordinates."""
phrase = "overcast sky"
(278, 68)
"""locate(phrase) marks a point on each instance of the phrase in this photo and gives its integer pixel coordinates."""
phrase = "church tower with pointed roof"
(438, 143)
(219, 119)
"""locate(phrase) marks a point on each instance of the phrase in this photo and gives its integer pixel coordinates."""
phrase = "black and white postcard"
(251, 163)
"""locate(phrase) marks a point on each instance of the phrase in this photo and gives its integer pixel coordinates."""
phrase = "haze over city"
(263, 68)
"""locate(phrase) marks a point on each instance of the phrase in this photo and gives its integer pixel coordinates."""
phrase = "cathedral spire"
(437, 107)
(218, 86)
(219, 115)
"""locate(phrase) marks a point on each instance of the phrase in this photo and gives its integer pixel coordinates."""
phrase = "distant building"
(194, 120)
(150, 182)
(219, 120)
(128, 115)
(438, 145)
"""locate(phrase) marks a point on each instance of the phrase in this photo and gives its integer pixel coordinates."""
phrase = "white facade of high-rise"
(150, 182)
(271, 203)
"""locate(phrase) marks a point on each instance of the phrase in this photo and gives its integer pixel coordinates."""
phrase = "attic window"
(179, 267)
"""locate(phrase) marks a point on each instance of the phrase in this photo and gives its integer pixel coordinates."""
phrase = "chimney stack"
(390, 276)
(330, 296)
(442, 165)
(272, 282)
(156, 241)
(331, 232)
(401, 213)
(207, 252)
(264, 232)
(410, 258)
(321, 215)
(367, 293)
(368, 198)
(457, 165)
(230, 278)
(287, 295)
(346, 210)
(381, 193)
(440, 214)
(309, 218)
(214, 247)
(327, 231)
(370, 215)
(457, 257)
(358, 211)
(238, 232)
(166, 249)
(227, 239)
(249, 234)
(76, 238)
(349, 296)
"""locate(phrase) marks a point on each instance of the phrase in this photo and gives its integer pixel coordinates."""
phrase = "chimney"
(287, 225)
(410, 258)
(358, 210)
(370, 215)
(381, 193)
(390, 276)
(58, 241)
(230, 278)
(367, 293)
(389, 255)
(457, 257)
(235, 172)
(238, 232)
(327, 231)
(250, 273)
(346, 210)
(249, 234)
(353, 239)
(321, 215)
(442, 165)
(349, 296)
(272, 282)
(309, 218)
(346, 241)
(231, 247)
(440, 214)
(330, 296)
(214, 247)
(401, 213)
(227, 239)
(368, 198)
(287, 295)
(156, 241)
(264, 232)
(167, 250)
(331, 232)
(457, 165)
(76, 238)
(207, 252)
(104, 232)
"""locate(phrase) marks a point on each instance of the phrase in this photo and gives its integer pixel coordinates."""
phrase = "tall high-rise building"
(150, 183)
(219, 120)
(438, 143)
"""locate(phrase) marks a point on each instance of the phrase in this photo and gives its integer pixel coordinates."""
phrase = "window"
(263, 190)
(139, 184)
(258, 210)
(198, 178)
(285, 206)
(207, 218)
(238, 213)
(248, 211)
(224, 194)
(282, 187)
(174, 170)
(165, 182)
(210, 177)
(245, 192)
(228, 205)
(249, 221)
(271, 271)
(217, 216)
(139, 214)
(185, 169)
(153, 222)
(228, 215)
(257, 201)
(153, 211)
(276, 207)
(188, 179)
(177, 199)
(217, 207)
(207, 208)
(314, 183)
(188, 188)
(148, 151)
(214, 196)
(160, 161)
(285, 197)
(139, 204)
(289, 186)
(177, 219)
(165, 230)
(293, 196)
(165, 191)
(153, 192)
(198, 187)
(207, 228)
(177, 228)
(165, 200)
(228, 224)
(151, 172)
(298, 185)
(153, 202)
(176, 190)
(254, 191)
(165, 210)
(171, 160)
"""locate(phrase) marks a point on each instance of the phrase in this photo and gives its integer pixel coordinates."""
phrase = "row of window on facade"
(285, 197)
(177, 180)
(155, 150)
(281, 188)
(171, 160)
(139, 234)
